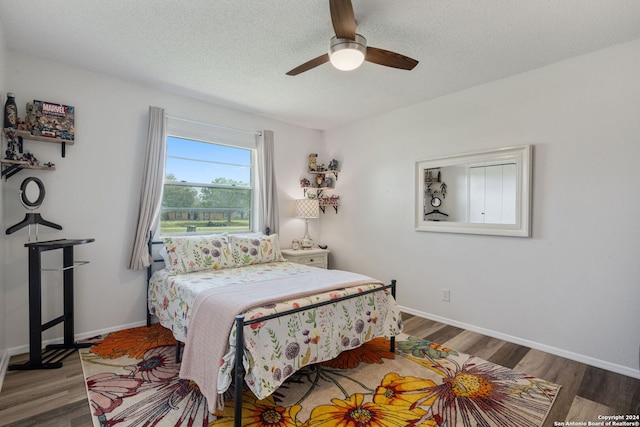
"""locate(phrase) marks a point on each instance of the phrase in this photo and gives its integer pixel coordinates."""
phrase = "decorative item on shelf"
(305, 184)
(307, 209)
(14, 144)
(10, 112)
(52, 120)
(429, 175)
(30, 158)
(324, 180)
(436, 188)
(15, 153)
(30, 118)
(331, 201)
(44, 122)
(313, 163)
(10, 125)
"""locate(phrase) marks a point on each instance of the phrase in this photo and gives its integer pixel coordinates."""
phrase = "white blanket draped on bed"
(214, 313)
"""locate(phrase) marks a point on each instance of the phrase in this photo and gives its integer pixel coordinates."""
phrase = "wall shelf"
(26, 135)
(322, 183)
(329, 201)
(11, 167)
(329, 172)
(318, 190)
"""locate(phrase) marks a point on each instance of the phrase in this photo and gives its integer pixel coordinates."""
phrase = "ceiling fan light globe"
(347, 59)
(346, 54)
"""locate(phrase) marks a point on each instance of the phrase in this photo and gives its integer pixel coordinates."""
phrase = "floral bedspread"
(171, 297)
(276, 348)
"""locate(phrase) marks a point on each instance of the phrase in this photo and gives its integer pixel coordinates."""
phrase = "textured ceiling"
(235, 53)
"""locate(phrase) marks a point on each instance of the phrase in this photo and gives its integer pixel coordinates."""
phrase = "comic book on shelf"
(51, 120)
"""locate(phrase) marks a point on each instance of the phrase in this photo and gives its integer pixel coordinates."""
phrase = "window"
(208, 186)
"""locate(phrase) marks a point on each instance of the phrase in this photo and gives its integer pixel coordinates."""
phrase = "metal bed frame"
(239, 371)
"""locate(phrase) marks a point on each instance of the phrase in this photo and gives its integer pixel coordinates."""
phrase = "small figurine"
(313, 163)
(304, 182)
(14, 145)
(443, 188)
(31, 117)
(9, 154)
(313, 166)
(333, 165)
(28, 157)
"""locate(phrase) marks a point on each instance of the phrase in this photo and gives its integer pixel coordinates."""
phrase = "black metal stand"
(53, 355)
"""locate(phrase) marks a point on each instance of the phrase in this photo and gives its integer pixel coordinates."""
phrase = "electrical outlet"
(446, 295)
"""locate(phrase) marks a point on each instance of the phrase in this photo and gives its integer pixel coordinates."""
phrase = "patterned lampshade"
(307, 208)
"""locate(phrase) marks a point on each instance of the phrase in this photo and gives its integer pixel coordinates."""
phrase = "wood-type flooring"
(57, 398)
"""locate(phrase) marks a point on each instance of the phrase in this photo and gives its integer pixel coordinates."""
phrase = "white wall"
(94, 190)
(574, 287)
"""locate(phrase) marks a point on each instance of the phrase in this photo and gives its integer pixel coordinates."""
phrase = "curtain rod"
(215, 126)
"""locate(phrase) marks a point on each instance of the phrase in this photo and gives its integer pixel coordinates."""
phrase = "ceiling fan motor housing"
(347, 54)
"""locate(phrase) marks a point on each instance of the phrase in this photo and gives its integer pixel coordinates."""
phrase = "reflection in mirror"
(478, 193)
(492, 194)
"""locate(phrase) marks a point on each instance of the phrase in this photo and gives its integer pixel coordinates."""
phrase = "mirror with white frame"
(486, 192)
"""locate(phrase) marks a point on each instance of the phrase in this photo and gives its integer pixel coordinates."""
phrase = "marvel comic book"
(52, 120)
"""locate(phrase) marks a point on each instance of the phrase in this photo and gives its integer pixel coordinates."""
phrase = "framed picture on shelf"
(51, 120)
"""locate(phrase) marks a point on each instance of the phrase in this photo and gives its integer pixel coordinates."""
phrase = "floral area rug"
(132, 380)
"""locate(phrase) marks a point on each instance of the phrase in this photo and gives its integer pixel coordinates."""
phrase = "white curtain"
(268, 214)
(151, 191)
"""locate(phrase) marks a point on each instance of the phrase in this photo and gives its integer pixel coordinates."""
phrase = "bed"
(218, 293)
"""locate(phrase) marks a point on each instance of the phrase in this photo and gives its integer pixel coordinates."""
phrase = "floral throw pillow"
(197, 253)
(255, 250)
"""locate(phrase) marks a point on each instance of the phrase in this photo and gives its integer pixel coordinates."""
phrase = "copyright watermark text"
(604, 421)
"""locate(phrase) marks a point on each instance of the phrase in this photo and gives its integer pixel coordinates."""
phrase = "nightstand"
(312, 257)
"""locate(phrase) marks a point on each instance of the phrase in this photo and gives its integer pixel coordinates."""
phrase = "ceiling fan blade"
(389, 59)
(343, 19)
(309, 65)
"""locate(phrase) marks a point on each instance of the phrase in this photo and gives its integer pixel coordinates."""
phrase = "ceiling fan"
(348, 50)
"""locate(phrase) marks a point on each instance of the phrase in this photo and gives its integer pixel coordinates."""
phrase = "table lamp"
(306, 209)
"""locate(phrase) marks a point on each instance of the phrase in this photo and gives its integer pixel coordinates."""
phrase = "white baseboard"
(84, 335)
(603, 364)
(6, 355)
(4, 363)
